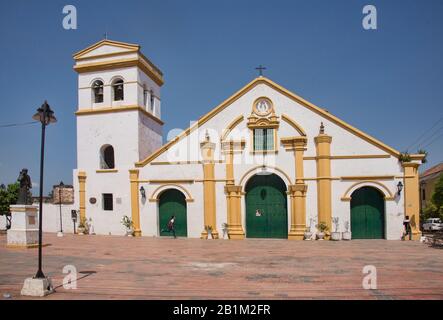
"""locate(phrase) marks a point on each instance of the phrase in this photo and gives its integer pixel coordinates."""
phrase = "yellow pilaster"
(233, 192)
(412, 197)
(135, 210)
(82, 194)
(297, 192)
(323, 147)
(233, 196)
(209, 199)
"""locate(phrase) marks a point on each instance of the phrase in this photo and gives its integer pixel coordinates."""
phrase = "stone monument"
(24, 217)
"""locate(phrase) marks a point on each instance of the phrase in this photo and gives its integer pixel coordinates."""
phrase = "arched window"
(117, 87)
(107, 157)
(97, 91)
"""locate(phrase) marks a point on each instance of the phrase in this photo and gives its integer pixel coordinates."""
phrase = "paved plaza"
(111, 267)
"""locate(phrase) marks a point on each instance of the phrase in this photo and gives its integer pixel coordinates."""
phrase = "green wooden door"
(173, 203)
(367, 214)
(266, 208)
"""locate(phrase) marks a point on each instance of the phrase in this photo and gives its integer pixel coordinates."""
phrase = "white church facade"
(265, 163)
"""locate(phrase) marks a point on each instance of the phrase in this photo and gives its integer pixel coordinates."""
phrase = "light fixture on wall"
(143, 192)
(399, 187)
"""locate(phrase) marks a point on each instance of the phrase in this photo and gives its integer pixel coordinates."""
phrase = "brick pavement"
(114, 267)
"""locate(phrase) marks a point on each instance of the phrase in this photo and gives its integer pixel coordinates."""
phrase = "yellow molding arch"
(231, 126)
(381, 187)
(294, 124)
(248, 174)
(155, 195)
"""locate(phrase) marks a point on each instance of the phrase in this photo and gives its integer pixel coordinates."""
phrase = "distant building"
(428, 179)
(66, 193)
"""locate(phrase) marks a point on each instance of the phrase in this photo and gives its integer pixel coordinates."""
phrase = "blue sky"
(388, 82)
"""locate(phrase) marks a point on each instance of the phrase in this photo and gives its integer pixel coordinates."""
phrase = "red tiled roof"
(435, 169)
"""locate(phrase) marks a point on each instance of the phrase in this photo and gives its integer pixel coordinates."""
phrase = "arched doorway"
(173, 203)
(266, 207)
(367, 214)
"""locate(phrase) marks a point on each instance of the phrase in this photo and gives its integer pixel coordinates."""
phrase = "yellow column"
(323, 146)
(412, 197)
(233, 196)
(82, 194)
(207, 148)
(135, 211)
(233, 192)
(297, 192)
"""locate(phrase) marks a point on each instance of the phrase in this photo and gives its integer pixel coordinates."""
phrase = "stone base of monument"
(24, 227)
(37, 287)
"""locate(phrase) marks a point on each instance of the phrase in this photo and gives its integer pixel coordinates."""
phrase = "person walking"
(170, 227)
(407, 228)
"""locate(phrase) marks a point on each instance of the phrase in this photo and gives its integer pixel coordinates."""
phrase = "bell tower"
(119, 104)
(118, 124)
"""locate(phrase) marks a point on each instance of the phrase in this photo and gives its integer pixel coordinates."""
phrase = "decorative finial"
(207, 137)
(260, 69)
(105, 35)
(322, 128)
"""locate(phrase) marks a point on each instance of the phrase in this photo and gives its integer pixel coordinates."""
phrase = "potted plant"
(209, 231)
(347, 234)
(322, 227)
(129, 225)
(335, 236)
(308, 233)
(225, 228)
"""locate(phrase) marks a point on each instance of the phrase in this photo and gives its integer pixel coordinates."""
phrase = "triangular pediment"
(306, 104)
(106, 48)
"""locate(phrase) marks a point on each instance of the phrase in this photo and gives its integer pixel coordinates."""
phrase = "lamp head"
(44, 114)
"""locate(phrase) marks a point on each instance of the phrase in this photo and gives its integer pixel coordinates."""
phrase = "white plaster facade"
(135, 136)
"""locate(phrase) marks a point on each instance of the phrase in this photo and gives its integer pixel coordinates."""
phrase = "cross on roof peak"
(260, 69)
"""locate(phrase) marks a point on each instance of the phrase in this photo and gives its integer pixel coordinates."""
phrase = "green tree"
(8, 196)
(437, 196)
(435, 208)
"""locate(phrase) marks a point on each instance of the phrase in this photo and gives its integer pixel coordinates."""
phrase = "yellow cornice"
(410, 164)
(323, 138)
(145, 65)
(232, 146)
(107, 55)
(367, 178)
(83, 112)
(294, 143)
(418, 156)
(106, 171)
(243, 91)
(353, 156)
(103, 42)
(154, 181)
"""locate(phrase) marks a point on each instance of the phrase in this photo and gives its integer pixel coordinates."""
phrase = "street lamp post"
(46, 116)
(60, 187)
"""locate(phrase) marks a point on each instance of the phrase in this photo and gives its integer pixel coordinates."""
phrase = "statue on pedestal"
(24, 194)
